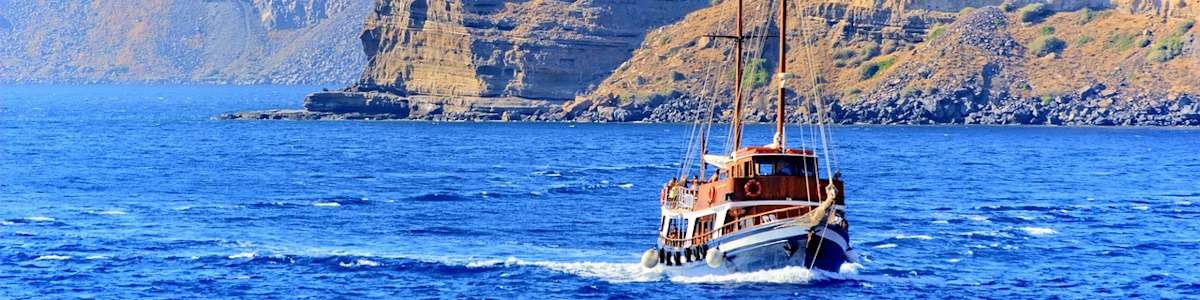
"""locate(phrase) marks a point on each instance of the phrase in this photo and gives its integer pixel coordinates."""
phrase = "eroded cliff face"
(517, 57)
(1107, 62)
(928, 62)
(162, 41)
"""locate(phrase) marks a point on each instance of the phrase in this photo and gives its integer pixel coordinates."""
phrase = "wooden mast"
(780, 117)
(737, 98)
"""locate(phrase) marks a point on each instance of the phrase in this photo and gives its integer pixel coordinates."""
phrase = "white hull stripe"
(780, 234)
(700, 213)
(777, 234)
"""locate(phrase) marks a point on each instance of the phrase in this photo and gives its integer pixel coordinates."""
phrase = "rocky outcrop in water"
(162, 41)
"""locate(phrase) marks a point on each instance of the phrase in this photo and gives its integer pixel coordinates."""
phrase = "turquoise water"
(132, 191)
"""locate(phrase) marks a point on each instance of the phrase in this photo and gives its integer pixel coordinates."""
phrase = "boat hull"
(771, 247)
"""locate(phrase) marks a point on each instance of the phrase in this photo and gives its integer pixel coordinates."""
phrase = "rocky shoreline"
(1085, 108)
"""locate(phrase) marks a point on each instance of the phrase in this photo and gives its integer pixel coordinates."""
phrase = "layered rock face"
(1078, 62)
(163, 41)
(924, 62)
(980, 72)
(521, 57)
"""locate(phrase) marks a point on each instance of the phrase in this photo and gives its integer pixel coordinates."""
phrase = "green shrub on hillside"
(1142, 42)
(869, 70)
(1047, 30)
(1171, 46)
(1183, 27)
(1166, 49)
(1034, 13)
(936, 31)
(1085, 17)
(1046, 45)
(756, 73)
(1083, 40)
(1119, 41)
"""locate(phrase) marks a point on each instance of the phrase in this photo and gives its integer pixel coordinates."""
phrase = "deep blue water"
(132, 191)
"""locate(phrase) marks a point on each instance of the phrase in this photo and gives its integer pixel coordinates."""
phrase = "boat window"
(677, 228)
(809, 166)
(785, 166)
(789, 168)
(766, 169)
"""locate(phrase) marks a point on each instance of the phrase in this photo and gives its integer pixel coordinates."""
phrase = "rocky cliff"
(1076, 62)
(493, 59)
(164, 41)
(980, 62)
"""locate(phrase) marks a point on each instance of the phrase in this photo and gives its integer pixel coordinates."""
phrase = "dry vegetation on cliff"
(1031, 65)
(1121, 62)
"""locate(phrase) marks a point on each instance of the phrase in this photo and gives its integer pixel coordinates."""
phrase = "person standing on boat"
(670, 191)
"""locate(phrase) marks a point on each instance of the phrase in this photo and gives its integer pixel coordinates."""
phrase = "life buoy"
(752, 188)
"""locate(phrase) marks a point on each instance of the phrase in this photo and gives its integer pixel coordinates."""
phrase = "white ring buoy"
(714, 258)
(650, 258)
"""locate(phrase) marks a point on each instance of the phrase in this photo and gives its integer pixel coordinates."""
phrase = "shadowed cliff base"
(892, 62)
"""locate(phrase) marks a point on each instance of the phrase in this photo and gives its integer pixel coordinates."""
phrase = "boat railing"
(684, 197)
(747, 222)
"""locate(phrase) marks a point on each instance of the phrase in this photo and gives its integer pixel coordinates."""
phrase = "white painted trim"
(738, 204)
(781, 233)
(723, 162)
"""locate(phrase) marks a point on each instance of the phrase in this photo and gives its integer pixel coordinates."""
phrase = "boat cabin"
(758, 185)
(763, 173)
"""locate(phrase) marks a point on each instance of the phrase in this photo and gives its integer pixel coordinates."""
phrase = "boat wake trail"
(795, 275)
(633, 272)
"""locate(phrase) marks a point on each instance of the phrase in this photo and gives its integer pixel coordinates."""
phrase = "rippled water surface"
(133, 191)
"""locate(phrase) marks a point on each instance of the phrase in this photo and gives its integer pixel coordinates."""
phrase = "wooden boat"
(766, 207)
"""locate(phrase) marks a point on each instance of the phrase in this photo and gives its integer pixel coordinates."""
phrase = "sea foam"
(1039, 230)
(39, 219)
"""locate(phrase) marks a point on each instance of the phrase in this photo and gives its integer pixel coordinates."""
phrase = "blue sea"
(135, 192)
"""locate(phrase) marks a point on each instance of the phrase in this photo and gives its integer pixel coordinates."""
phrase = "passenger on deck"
(671, 190)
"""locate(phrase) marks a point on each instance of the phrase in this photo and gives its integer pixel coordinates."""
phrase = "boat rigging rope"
(708, 85)
(830, 188)
(757, 38)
